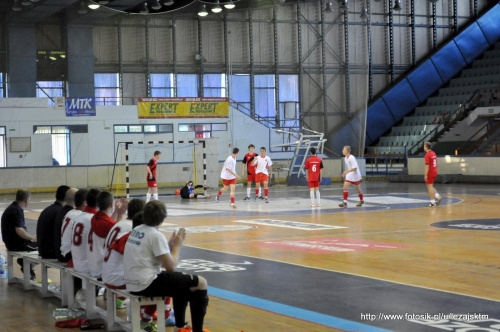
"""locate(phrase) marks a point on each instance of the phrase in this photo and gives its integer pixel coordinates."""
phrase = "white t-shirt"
(230, 163)
(262, 164)
(112, 268)
(80, 242)
(349, 164)
(141, 262)
(67, 230)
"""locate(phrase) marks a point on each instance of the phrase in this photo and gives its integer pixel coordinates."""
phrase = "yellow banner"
(160, 108)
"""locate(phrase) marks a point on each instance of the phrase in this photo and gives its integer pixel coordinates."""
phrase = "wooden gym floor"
(392, 265)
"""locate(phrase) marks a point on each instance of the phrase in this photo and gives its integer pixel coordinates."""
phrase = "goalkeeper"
(189, 191)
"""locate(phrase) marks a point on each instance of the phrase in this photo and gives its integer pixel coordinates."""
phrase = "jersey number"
(112, 238)
(67, 220)
(314, 168)
(434, 163)
(90, 241)
(77, 235)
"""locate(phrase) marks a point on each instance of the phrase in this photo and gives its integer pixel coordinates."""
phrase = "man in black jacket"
(46, 224)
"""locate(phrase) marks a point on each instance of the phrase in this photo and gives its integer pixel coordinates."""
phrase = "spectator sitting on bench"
(438, 119)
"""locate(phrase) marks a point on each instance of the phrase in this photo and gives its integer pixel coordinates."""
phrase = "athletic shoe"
(121, 304)
(217, 198)
(319, 205)
(312, 205)
(261, 197)
(149, 326)
(246, 199)
(343, 205)
(170, 321)
(232, 205)
(432, 204)
(80, 295)
(439, 199)
(360, 203)
(267, 200)
(256, 197)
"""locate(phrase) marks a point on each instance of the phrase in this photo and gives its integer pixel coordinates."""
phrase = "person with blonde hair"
(352, 175)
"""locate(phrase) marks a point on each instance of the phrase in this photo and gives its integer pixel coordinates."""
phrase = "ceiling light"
(83, 9)
(168, 3)
(53, 58)
(156, 5)
(328, 7)
(203, 11)
(16, 6)
(63, 56)
(343, 7)
(93, 5)
(144, 9)
(25, 2)
(229, 5)
(397, 5)
(217, 8)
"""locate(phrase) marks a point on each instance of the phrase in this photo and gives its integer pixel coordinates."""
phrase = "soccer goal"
(180, 161)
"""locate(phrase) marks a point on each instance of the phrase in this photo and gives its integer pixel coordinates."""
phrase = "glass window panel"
(121, 129)
(167, 92)
(161, 80)
(42, 130)
(205, 134)
(2, 130)
(183, 127)
(166, 128)
(289, 87)
(264, 81)
(211, 93)
(240, 88)
(135, 129)
(110, 80)
(219, 126)
(60, 130)
(265, 102)
(187, 85)
(202, 127)
(150, 128)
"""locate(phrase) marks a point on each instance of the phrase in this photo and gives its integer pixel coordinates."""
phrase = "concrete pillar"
(21, 61)
(80, 58)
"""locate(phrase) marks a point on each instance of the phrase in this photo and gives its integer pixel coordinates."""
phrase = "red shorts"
(313, 184)
(261, 177)
(250, 177)
(228, 182)
(354, 183)
(152, 184)
(430, 180)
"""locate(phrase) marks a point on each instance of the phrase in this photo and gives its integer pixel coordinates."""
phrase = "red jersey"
(431, 160)
(152, 168)
(314, 164)
(248, 160)
(101, 224)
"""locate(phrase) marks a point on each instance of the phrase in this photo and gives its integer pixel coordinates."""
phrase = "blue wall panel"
(379, 120)
(401, 100)
(449, 61)
(490, 24)
(472, 42)
(425, 80)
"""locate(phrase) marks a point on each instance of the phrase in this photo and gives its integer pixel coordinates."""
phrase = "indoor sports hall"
(400, 100)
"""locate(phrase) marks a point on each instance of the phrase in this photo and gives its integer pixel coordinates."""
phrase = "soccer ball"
(177, 192)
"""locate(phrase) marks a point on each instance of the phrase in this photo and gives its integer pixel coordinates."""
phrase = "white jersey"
(349, 164)
(141, 262)
(262, 164)
(67, 230)
(230, 163)
(79, 242)
(112, 268)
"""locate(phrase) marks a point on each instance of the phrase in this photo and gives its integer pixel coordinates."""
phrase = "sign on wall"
(161, 108)
(84, 106)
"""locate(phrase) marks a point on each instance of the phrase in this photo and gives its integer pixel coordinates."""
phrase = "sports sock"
(360, 196)
(256, 192)
(318, 197)
(148, 312)
(198, 305)
(248, 191)
(266, 192)
(148, 197)
(260, 191)
(232, 199)
(311, 193)
(346, 194)
(219, 193)
(436, 195)
(155, 196)
(433, 201)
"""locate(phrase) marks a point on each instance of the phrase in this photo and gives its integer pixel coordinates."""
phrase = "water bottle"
(2, 259)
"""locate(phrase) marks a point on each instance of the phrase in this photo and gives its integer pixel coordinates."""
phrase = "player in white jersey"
(81, 229)
(229, 176)
(263, 172)
(102, 222)
(69, 221)
(352, 175)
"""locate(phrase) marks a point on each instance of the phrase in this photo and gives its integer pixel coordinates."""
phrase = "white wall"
(465, 129)
(488, 166)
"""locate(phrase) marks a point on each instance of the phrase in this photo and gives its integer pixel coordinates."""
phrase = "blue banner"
(80, 106)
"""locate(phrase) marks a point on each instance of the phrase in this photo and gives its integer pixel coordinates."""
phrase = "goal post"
(180, 161)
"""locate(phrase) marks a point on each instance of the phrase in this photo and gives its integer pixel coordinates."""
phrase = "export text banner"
(159, 108)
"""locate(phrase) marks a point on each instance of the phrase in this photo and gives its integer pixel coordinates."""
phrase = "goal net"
(179, 162)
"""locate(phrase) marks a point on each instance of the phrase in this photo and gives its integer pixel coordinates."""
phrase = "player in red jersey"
(250, 167)
(314, 170)
(431, 173)
(151, 178)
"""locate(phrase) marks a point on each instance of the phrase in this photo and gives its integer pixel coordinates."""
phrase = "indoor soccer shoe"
(267, 200)
(217, 198)
(312, 205)
(149, 326)
(438, 200)
(232, 205)
(246, 199)
(360, 203)
(343, 205)
(432, 204)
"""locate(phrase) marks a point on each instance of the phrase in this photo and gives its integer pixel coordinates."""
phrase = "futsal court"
(392, 265)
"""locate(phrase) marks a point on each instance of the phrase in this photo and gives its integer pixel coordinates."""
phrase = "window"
(107, 89)
(3, 87)
(240, 91)
(202, 130)
(162, 85)
(219, 126)
(49, 89)
(61, 144)
(289, 100)
(214, 85)
(151, 128)
(265, 96)
(187, 85)
(3, 148)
